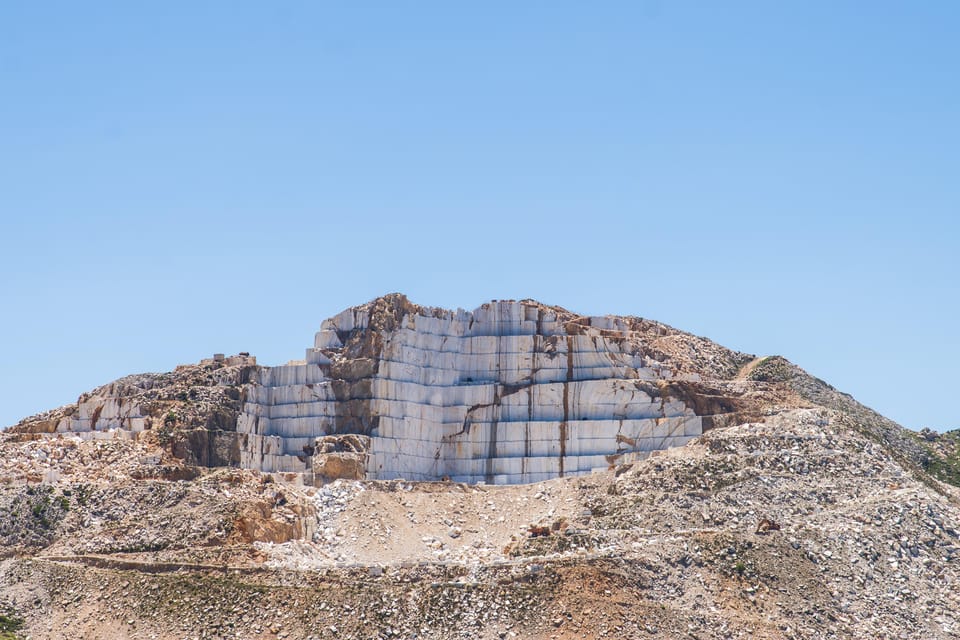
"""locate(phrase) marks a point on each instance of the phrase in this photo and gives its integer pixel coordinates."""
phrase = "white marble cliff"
(512, 392)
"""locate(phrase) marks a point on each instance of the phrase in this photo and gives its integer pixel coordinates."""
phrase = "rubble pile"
(856, 534)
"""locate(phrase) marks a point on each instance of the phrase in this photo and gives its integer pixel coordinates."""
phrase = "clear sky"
(184, 178)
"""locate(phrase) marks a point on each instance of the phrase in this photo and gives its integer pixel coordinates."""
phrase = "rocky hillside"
(799, 514)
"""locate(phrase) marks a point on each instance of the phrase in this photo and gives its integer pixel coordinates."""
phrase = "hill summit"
(517, 470)
(511, 392)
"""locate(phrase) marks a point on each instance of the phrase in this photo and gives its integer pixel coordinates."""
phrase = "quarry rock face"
(511, 392)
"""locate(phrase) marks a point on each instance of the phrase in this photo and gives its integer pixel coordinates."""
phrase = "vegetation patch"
(9, 625)
(32, 515)
(773, 369)
(943, 460)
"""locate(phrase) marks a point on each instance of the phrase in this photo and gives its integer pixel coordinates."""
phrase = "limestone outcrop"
(192, 410)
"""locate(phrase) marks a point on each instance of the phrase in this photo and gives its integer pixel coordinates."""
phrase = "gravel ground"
(668, 547)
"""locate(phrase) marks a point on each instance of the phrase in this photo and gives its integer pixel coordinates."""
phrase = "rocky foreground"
(809, 516)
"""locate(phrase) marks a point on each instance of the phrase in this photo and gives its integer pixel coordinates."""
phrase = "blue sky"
(178, 179)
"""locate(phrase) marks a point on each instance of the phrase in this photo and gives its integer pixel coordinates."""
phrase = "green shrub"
(9, 625)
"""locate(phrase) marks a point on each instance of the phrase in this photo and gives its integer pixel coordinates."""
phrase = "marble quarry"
(512, 392)
(104, 416)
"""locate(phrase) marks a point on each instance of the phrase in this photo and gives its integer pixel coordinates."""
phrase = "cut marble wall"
(103, 414)
(503, 394)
